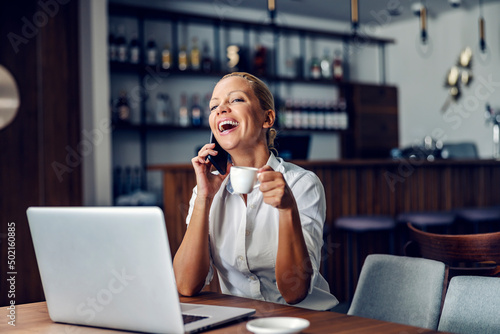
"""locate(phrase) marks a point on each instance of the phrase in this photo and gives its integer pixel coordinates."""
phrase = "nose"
(223, 108)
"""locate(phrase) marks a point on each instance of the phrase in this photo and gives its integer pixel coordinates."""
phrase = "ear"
(270, 118)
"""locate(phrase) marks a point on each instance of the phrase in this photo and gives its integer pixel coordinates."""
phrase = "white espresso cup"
(244, 179)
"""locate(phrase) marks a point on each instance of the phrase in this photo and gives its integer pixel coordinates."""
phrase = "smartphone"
(220, 160)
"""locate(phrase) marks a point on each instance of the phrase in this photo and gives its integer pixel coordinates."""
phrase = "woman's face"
(236, 117)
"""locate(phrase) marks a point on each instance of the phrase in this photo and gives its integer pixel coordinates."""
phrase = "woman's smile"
(227, 125)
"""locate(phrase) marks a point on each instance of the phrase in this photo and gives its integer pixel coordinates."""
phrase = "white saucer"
(277, 325)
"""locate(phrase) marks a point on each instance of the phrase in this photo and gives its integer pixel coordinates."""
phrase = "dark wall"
(39, 46)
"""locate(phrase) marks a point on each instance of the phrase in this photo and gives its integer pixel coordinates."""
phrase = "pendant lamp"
(271, 8)
(354, 15)
(482, 40)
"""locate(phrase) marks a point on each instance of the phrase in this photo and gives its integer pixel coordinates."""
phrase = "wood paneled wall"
(40, 48)
(362, 187)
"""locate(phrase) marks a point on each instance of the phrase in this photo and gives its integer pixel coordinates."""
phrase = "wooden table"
(34, 318)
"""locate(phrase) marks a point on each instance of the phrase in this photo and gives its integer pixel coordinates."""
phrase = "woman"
(267, 244)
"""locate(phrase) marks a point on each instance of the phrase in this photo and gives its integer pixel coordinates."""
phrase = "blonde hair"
(265, 98)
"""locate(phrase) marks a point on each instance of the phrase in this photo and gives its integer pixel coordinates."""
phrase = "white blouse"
(244, 238)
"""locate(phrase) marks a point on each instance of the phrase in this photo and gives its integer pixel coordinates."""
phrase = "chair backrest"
(472, 305)
(469, 249)
(400, 289)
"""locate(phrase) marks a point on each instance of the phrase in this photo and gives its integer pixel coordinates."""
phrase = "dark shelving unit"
(220, 27)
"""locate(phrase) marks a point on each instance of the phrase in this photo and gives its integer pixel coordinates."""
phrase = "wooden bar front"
(361, 187)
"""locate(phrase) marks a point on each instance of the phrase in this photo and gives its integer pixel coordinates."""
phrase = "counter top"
(357, 162)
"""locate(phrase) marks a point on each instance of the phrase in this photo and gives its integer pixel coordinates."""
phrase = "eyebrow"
(231, 92)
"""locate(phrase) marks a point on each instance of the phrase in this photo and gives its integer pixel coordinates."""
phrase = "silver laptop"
(111, 267)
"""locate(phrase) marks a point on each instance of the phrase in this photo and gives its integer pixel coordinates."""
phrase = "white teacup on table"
(244, 179)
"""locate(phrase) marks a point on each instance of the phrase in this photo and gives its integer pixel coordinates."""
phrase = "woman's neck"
(255, 158)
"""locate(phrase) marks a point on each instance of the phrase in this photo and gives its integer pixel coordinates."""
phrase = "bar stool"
(480, 216)
(357, 225)
(425, 221)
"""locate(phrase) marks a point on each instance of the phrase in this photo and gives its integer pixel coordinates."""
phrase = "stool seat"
(427, 218)
(479, 214)
(487, 217)
(365, 223)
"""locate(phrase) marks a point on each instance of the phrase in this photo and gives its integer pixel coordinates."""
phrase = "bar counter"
(361, 187)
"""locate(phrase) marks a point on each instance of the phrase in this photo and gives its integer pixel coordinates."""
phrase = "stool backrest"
(460, 248)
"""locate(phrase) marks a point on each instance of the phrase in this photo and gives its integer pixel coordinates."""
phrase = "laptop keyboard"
(188, 318)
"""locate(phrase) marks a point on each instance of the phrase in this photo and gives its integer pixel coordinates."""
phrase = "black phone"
(220, 160)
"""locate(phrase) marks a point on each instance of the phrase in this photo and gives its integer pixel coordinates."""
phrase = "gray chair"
(472, 305)
(400, 289)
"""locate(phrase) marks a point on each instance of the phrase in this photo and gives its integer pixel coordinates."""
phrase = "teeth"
(221, 124)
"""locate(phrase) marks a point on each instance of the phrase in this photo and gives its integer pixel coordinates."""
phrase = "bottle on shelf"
(288, 119)
(134, 50)
(195, 56)
(330, 118)
(326, 65)
(206, 110)
(234, 58)
(166, 57)
(163, 110)
(183, 58)
(207, 63)
(117, 182)
(338, 71)
(259, 61)
(315, 68)
(280, 114)
(312, 120)
(183, 112)
(136, 179)
(122, 109)
(121, 45)
(112, 48)
(320, 115)
(296, 114)
(196, 111)
(343, 116)
(127, 186)
(151, 53)
(304, 114)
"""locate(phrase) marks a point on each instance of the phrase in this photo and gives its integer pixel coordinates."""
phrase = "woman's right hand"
(207, 183)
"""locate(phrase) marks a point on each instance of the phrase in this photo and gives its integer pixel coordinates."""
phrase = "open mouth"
(227, 125)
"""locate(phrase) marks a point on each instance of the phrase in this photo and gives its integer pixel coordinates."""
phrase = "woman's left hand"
(275, 189)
